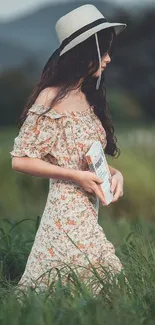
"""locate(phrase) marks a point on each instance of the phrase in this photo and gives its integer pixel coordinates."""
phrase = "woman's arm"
(115, 171)
(40, 168)
(112, 170)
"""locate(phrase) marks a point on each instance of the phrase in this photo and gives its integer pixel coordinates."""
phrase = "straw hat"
(81, 23)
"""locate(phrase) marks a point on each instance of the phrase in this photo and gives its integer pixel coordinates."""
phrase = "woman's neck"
(78, 92)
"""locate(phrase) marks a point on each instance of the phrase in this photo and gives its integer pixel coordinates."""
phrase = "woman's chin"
(97, 75)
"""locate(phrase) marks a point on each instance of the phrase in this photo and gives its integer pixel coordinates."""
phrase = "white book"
(97, 163)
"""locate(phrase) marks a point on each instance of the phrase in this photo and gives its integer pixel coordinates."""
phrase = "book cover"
(97, 163)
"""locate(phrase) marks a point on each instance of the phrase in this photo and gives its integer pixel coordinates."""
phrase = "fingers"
(113, 184)
(98, 191)
(97, 179)
(117, 193)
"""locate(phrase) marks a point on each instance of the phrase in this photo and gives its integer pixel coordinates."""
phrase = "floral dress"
(69, 233)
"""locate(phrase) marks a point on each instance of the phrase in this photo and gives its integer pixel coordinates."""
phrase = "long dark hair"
(80, 63)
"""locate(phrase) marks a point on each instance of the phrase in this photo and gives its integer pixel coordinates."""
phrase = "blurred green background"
(130, 81)
(26, 42)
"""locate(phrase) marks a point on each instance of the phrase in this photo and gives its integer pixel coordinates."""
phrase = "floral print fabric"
(69, 232)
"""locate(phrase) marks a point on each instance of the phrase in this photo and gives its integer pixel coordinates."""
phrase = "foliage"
(130, 76)
(119, 302)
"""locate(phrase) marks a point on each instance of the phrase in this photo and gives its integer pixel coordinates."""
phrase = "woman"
(65, 114)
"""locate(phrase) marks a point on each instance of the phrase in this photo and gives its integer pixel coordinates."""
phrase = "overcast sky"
(14, 8)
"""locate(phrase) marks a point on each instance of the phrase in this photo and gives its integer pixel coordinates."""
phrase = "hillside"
(35, 32)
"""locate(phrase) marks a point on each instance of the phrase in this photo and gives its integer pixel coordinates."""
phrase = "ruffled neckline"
(39, 108)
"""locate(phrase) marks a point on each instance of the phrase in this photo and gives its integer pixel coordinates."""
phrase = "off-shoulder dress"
(69, 232)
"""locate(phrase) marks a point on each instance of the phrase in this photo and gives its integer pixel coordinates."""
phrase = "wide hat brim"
(119, 27)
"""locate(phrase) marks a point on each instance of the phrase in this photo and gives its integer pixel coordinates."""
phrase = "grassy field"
(129, 224)
(119, 303)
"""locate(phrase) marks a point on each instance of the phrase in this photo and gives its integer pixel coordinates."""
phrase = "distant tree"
(133, 61)
(15, 87)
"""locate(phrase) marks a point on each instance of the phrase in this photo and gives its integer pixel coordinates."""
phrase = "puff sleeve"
(37, 135)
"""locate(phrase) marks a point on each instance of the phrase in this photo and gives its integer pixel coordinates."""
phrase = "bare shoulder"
(45, 96)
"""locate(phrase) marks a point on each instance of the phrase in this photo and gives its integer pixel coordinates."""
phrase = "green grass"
(119, 303)
(129, 224)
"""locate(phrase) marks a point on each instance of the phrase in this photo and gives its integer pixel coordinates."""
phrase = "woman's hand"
(117, 184)
(90, 182)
